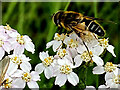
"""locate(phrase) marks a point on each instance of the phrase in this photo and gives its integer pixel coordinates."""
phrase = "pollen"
(61, 53)
(116, 79)
(47, 61)
(20, 40)
(86, 56)
(16, 60)
(73, 43)
(26, 77)
(109, 67)
(65, 69)
(1, 43)
(104, 42)
(7, 27)
(59, 37)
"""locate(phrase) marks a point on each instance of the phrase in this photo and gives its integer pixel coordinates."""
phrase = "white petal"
(27, 38)
(60, 79)
(25, 66)
(78, 61)
(32, 84)
(7, 47)
(90, 88)
(103, 87)
(49, 44)
(18, 83)
(17, 73)
(110, 48)
(29, 46)
(97, 50)
(19, 49)
(57, 45)
(81, 49)
(48, 72)
(73, 78)
(98, 70)
(61, 61)
(2, 53)
(98, 60)
(72, 52)
(35, 76)
(66, 41)
(39, 68)
(43, 55)
(12, 68)
(108, 76)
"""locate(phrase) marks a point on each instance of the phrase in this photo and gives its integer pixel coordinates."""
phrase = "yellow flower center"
(60, 37)
(61, 53)
(7, 83)
(26, 77)
(47, 61)
(109, 67)
(7, 27)
(20, 40)
(73, 43)
(104, 42)
(65, 69)
(16, 60)
(1, 43)
(116, 79)
(86, 56)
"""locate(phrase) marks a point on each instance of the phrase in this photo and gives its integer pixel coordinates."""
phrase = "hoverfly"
(77, 22)
(82, 25)
(3, 69)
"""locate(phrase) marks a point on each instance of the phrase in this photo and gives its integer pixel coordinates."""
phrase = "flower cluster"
(71, 52)
(19, 71)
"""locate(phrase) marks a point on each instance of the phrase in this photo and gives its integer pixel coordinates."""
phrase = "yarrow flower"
(64, 71)
(46, 65)
(21, 78)
(112, 79)
(57, 42)
(108, 67)
(18, 71)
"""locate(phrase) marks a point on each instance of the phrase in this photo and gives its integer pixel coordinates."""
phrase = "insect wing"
(3, 68)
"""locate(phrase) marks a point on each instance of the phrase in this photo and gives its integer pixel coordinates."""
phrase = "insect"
(77, 22)
(83, 26)
(3, 69)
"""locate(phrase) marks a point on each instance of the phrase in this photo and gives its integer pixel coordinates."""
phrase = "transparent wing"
(3, 67)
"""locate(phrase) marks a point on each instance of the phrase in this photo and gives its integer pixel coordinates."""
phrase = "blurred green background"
(34, 19)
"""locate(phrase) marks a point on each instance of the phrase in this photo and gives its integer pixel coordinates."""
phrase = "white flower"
(46, 65)
(113, 80)
(104, 43)
(73, 41)
(108, 67)
(63, 72)
(68, 52)
(9, 31)
(92, 55)
(4, 44)
(57, 42)
(18, 61)
(20, 43)
(25, 77)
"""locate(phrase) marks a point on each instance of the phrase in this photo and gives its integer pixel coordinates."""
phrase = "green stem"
(95, 8)
(66, 7)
